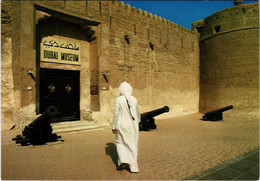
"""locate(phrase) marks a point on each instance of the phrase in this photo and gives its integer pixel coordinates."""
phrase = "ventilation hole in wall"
(110, 22)
(244, 10)
(100, 9)
(217, 29)
(86, 5)
(148, 33)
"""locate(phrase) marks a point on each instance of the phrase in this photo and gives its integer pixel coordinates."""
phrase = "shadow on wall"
(111, 151)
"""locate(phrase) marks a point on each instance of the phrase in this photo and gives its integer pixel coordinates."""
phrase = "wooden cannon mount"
(147, 119)
(215, 115)
(39, 131)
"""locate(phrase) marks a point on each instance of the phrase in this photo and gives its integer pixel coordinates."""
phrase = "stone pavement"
(179, 148)
(245, 167)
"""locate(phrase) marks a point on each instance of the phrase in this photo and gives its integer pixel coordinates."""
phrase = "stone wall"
(166, 75)
(10, 76)
(161, 60)
(229, 62)
(7, 89)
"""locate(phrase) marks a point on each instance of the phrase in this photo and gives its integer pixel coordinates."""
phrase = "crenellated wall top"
(236, 18)
(146, 14)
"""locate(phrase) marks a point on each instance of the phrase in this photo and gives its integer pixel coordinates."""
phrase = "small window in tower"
(217, 29)
(198, 29)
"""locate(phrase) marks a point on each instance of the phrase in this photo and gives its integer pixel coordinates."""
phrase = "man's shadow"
(111, 151)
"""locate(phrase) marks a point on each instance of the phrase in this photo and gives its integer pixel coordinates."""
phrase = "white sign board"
(60, 50)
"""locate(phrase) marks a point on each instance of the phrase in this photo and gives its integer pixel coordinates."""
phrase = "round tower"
(229, 60)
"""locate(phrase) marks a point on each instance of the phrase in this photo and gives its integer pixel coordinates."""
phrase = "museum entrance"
(60, 88)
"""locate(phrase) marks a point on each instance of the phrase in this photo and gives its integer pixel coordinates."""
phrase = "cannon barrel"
(147, 119)
(220, 110)
(155, 112)
(216, 115)
(44, 119)
(39, 131)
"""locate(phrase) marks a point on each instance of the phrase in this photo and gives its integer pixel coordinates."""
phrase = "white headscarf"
(125, 89)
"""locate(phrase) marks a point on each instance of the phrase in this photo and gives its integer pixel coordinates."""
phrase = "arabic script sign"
(60, 51)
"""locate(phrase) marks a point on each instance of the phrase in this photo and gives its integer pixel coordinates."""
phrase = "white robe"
(127, 130)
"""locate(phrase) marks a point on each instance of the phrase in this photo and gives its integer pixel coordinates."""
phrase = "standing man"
(126, 127)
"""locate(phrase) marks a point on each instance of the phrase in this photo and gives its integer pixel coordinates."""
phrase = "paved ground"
(180, 148)
(244, 167)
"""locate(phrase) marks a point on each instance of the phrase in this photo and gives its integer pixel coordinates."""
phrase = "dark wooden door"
(60, 88)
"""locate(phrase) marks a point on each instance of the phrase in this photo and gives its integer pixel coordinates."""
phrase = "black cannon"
(39, 131)
(216, 114)
(147, 119)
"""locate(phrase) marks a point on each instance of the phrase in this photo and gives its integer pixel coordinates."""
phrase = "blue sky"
(183, 12)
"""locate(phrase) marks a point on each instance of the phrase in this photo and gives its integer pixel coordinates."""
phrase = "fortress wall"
(231, 19)
(7, 82)
(13, 75)
(166, 75)
(230, 61)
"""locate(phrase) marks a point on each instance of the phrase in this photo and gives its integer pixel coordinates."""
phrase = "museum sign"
(60, 50)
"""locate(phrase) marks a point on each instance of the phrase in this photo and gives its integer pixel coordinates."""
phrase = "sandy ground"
(179, 148)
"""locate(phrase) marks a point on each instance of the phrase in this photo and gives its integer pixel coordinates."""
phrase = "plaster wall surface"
(229, 61)
(165, 74)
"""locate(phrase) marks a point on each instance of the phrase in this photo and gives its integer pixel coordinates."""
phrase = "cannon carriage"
(39, 131)
(215, 115)
(147, 118)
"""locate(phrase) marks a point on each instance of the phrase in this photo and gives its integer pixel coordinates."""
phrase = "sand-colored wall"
(229, 62)
(166, 75)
